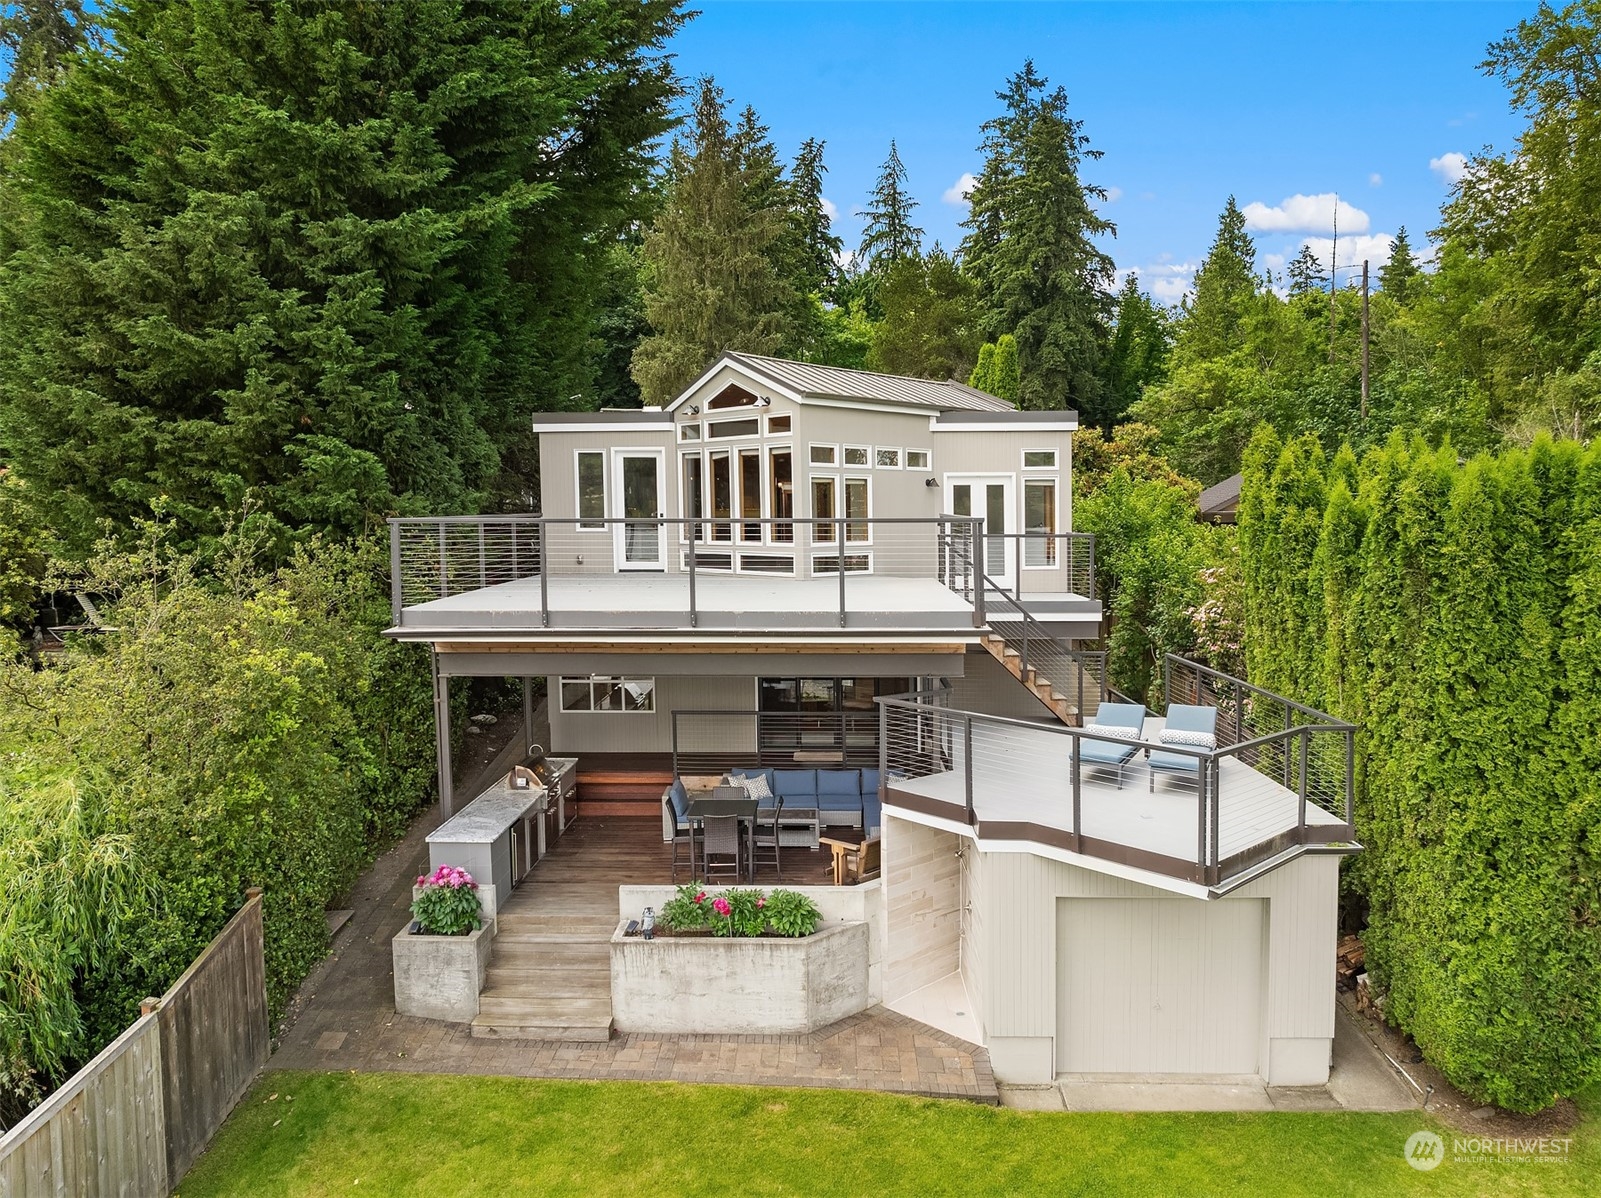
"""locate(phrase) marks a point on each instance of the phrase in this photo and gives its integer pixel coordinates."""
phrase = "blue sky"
(1274, 103)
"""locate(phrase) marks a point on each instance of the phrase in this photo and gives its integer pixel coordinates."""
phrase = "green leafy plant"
(686, 911)
(739, 913)
(447, 904)
(791, 913)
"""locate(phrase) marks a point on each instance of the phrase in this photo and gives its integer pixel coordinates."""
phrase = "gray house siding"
(652, 732)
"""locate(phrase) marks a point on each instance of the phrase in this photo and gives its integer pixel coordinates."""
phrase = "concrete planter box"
(438, 977)
(762, 985)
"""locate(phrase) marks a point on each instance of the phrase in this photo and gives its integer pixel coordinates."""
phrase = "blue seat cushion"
(839, 782)
(872, 814)
(1175, 763)
(680, 798)
(796, 787)
(1105, 752)
(870, 784)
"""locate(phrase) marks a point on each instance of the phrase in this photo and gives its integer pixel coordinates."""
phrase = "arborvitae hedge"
(1453, 611)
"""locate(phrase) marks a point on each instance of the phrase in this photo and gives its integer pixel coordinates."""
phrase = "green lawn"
(439, 1136)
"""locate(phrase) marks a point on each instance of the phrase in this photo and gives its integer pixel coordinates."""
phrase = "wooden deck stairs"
(1060, 696)
(549, 972)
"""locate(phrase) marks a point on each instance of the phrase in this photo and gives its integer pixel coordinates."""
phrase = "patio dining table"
(718, 803)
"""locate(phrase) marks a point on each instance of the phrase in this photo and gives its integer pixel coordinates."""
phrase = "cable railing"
(439, 558)
(1205, 815)
(1043, 562)
(714, 742)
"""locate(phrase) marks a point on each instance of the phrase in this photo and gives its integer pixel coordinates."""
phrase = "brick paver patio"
(346, 1020)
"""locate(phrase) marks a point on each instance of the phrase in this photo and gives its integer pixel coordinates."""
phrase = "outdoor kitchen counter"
(486, 818)
(496, 838)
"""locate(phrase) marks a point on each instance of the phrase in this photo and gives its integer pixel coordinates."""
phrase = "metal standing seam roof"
(838, 382)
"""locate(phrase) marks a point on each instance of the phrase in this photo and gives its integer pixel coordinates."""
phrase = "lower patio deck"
(1022, 790)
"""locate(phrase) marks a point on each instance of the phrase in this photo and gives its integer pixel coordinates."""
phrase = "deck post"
(839, 543)
(528, 716)
(1306, 738)
(544, 574)
(1216, 768)
(1078, 827)
(396, 588)
(694, 616)
(967, 734)
(447, 794)
(976, 568)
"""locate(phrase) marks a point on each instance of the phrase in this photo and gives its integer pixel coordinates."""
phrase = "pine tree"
(1008, 377)
(1138, 357)
(1305, 273)
(1224, 286)
(38, 39)
(322, 254)
(1030, 246)
(710, 285)
(983, 376)
(930, 325)
(1397, 274)
(818, 265)
(889, 236)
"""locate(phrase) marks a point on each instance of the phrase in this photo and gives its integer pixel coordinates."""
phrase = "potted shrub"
(441, 956)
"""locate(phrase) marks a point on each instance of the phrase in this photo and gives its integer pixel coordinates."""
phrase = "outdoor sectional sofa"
(841, 796)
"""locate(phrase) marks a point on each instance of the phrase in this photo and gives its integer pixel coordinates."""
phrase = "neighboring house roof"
(1218, 502)
(837, 382)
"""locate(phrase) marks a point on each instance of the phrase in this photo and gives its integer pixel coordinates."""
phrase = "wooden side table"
(839, 848)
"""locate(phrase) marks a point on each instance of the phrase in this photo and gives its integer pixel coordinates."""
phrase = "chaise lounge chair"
(1190, 728)
(1119, 722)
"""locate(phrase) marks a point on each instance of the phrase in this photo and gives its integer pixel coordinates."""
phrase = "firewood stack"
(1348, 962)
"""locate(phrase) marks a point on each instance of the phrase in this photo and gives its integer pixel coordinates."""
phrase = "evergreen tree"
(320, 253)
(38, 38)
(983, 376)
(889, 236)
(711, 285)
(1030, 246)
(1306, 273)
(817, 268)
(1224, 287)
(1138, 357)
(1397, 274)
(1008, 376)
(930, 325)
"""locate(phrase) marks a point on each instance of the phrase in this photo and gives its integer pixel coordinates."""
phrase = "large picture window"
(824, 492)
(591, 489)
(608, 693)
(782, 483)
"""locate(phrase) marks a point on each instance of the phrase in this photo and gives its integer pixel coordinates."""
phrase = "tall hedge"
(1453, 610)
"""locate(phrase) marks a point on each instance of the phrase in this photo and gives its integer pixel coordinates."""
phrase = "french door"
(639, 541)
(989, 497)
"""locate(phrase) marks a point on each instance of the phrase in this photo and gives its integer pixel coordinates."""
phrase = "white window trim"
(566, 679)
(770, 531)
(845, 479)
(788, 432)
(866, 464)
(900, 457)
(853, 549)
(928, 453)
(1056, 457)
(683, 497)
(734, 438)
(1022, 521)
(578, 490)
(685, 429)
(834, 449)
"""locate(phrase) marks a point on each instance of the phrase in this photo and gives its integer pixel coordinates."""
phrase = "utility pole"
(1364, 339)
(1334, 274)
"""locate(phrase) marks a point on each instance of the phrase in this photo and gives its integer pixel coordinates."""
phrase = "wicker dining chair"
(764, 845)
(721, 845)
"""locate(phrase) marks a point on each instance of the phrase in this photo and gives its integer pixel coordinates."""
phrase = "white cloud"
(1114, 194)
(958, 191)
(830, 209)
(1301, 212)
(1451, 167)
(1375, 180)
(1374, 247)
(1166, 280)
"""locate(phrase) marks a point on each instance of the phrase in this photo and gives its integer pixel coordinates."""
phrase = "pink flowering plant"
(735, 913)
(447, 902)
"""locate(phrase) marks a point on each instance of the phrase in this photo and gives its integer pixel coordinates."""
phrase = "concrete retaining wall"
(765, 985)
(439, 977)
(838, 904)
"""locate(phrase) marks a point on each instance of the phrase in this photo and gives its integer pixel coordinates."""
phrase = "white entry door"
(639, 541)
(988, 496)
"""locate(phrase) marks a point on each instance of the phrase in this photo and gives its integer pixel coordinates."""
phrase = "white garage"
(1160, 985)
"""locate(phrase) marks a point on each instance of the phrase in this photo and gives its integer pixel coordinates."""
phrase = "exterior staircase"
(1068, 683)
(549, 974)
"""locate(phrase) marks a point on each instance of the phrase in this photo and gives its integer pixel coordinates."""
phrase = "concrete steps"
(549, 975)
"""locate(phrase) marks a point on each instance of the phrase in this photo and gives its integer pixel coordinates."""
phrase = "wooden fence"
(132, 1121)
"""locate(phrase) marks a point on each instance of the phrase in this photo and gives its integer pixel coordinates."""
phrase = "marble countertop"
(487, 817)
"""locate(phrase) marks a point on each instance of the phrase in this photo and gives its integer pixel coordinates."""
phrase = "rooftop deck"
(481, 576)
(1278, 782)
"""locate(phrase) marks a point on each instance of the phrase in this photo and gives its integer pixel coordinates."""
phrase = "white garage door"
(1159, 985)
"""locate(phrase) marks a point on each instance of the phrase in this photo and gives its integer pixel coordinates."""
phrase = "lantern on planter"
(647, 924)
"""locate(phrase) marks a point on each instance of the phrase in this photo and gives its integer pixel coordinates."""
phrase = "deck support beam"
(447, 791)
